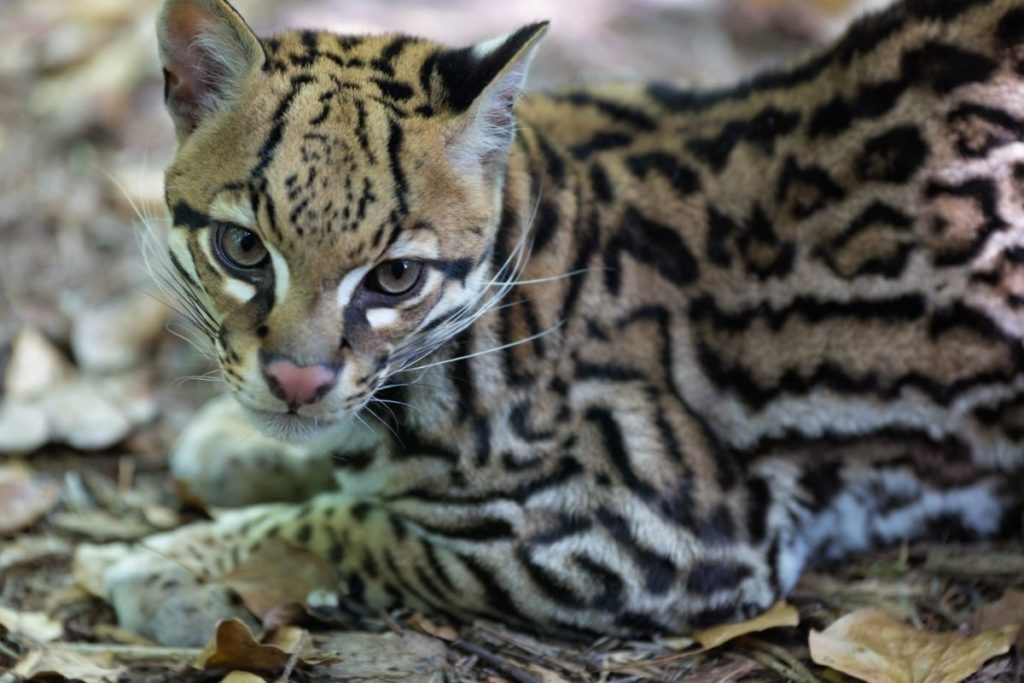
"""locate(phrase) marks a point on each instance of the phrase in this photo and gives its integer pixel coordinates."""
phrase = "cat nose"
(299, 385)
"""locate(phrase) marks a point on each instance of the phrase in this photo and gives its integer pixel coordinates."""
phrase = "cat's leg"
(576, 545)
(828, 501)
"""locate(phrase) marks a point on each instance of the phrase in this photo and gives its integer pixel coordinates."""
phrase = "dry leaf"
(425, 625)
(288, 638)
(67, 665)
(242, 677)
(1005, 614)
(24, 549)
(35, 626)
(279, 574)
(872, 646)
(23, 498)
(82, 417)
(780, 614)
(35, 365)
(234, 647)
(23, 427)
(103, 525)
(118, 335)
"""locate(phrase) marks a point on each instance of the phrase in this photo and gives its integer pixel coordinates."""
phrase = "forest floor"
(94, 388)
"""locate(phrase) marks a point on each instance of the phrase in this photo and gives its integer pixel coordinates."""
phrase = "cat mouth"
(288, 426)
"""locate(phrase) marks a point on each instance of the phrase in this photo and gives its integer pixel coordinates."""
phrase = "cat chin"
(289, 427)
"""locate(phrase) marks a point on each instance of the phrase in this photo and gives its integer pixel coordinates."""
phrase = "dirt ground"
(97, 376)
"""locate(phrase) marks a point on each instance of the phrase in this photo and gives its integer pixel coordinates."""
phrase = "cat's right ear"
(206, 50)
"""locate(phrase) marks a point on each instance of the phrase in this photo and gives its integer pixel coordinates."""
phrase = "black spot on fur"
(893, 156)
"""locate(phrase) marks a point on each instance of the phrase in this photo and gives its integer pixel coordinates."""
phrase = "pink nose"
(296, 385)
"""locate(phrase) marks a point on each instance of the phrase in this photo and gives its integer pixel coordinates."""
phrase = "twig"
(9, 653)
(799, 672)
(133, 652)
(503, 667)
(293, 660)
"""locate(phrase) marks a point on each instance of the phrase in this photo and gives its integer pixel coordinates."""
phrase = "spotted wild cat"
(615, 360)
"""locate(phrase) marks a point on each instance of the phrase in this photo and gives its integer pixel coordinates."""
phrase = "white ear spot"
(381, 317)
(490, 125)
(482, 49)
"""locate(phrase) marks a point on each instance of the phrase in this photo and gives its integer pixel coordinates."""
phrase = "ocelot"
(614, 360)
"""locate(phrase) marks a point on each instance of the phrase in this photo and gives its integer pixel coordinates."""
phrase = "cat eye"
(395, 277)
(239, 248)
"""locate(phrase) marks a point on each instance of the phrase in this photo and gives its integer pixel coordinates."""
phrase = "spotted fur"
(672, 344)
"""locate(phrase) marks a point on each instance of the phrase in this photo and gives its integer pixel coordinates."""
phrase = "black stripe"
(861, 38)
(499, 599)
(616, 111)
(549, 584)
(266, 152)
(184, 215)
(659, 572)
(681, 178)
(895, 310)
(395, 163)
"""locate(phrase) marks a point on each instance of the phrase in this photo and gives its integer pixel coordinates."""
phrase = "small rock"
(118, 335)
(23, 427)
(35, 366)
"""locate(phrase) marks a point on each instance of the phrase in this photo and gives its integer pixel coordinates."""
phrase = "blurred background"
(83, 139)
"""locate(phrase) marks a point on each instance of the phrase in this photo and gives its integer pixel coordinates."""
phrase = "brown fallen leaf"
(288, 638)
(874, 647)
(233, 646)
(242, 677)
(56, 662)
(779, 615)
(35, 626)
(24, 498)
(278, 575)
(424, 625)
(1005, 614)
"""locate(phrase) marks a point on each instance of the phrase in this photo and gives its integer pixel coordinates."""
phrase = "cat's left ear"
(206, 50)
(480, 85)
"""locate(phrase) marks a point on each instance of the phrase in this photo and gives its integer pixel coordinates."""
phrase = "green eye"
(395, 277)
(238, 247)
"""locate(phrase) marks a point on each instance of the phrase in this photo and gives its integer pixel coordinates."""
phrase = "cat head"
(334, 199)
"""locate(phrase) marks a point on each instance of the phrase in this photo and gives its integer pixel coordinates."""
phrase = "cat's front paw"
(222, 460)
(164, 601)
(157, 596)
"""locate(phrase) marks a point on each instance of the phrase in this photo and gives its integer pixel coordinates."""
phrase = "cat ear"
(206, 50)
(480, 86)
